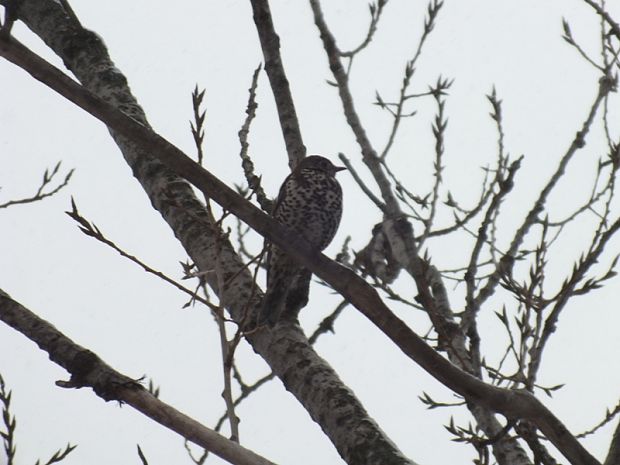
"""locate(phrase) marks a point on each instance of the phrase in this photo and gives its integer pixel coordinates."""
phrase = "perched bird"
(310, 204)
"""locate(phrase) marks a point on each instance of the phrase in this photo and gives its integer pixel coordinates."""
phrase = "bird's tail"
(284, 299)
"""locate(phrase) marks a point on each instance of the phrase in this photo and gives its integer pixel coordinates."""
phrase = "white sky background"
(135, 322)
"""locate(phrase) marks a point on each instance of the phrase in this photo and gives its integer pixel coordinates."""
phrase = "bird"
(310, 204)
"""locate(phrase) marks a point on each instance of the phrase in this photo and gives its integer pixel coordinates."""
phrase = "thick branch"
(88, 370)
(270, 43)
(613, 457)
(615, 27)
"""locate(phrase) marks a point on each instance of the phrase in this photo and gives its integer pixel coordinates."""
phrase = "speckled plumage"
(310, 203)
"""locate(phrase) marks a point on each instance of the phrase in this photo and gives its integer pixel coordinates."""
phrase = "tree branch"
(270, 43)
(88, 370)
(613, 457)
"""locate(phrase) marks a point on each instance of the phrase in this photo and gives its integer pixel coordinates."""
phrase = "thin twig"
(429, 24)
(568, 290)
(246, 391)
(254, 182)
(327, 323)
(40, 194)
(568, 37)
(361, 183)
(375, 15)
(197, 126)
(439, 128)
(609, 416)
(8, 436)
(91, 230)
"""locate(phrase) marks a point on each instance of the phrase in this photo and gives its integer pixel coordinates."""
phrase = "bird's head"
(317, 162)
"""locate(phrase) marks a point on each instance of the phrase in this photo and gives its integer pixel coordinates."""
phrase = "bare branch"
(327, 324)
(59, 455)
(361, 183)
(8, 436)
(609, 416)
(270, 43)
(254, 182)
(88, 370)
(568, 289)
(375, 14)
(93, 231)
(197, 126)
(615, 27)
(41, 194)
(505, 186)
(439, 128)
(429, 24)
(507, 261)
(541, 454)
(568, 37)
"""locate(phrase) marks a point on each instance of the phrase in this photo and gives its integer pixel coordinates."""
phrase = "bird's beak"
(339, 168)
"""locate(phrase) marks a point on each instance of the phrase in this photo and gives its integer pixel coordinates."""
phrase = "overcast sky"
(136, 323)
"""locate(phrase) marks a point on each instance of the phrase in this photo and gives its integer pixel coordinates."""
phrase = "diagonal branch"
(41, 193)
(88, 370)
(615, 27)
